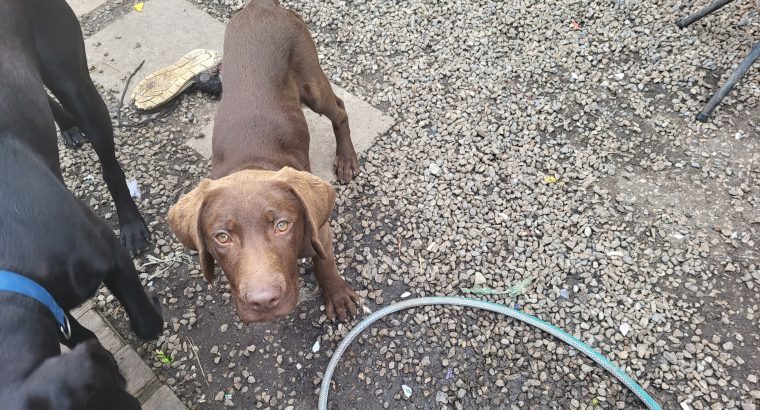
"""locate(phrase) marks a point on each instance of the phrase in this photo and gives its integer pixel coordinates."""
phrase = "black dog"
(52, 238)
(43, 39)
(46, 233)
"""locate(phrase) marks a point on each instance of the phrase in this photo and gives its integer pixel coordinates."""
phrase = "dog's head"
(108, 386)
(256, 225)
(87, 377)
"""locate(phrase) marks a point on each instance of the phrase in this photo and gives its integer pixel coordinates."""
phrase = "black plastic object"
(686, 21)
(730, 83)
(209, 82)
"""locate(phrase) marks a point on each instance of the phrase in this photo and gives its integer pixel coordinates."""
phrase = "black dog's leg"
(93, 118)
(72, 136)
(79, 333)
(144, 312)
(60, 48)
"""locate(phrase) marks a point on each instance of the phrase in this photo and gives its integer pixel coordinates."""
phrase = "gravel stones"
(441, 397)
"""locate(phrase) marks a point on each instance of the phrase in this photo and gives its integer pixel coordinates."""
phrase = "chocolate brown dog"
(262, 209)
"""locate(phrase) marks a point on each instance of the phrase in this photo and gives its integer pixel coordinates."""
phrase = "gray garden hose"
(493, 307)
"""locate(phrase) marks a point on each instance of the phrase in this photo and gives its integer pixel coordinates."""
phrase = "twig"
(124, 92)
(195, 352)
(178, 257)
(109, 64)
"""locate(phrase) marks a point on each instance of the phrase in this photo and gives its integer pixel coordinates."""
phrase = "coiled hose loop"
(493, 307)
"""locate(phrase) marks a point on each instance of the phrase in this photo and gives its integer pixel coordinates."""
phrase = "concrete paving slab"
(82, 7)
(366, 122)
(82, 309)
(162, 33)
(201, 141)
(137, 373)
(107, 337)
(163, 399)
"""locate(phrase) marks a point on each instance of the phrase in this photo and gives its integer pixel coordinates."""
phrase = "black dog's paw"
(150, 325)
(135, 236)
(156, 302)
(73, 138)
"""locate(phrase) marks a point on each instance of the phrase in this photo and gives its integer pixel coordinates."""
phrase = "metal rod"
(730, 83)
(686, 21)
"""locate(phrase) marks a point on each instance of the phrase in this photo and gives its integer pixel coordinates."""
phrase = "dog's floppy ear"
(185, 222)
(317, 198)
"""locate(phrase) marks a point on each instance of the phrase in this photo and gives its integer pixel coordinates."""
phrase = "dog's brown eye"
(282, 226)
(223, 238)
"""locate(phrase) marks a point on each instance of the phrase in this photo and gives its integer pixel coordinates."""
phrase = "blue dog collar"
(13, 282)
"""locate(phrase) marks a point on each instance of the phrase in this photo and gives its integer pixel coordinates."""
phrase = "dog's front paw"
(73, 138)
(346, 166)
(135, 236)
(340, 301)
(150, 322)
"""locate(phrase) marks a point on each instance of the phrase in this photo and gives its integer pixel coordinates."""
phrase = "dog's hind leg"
(72, 136)
(61, 52)
(85, 104)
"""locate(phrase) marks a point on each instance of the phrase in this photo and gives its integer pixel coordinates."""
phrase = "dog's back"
(45, 232)
(262, 124)
(262, 37)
